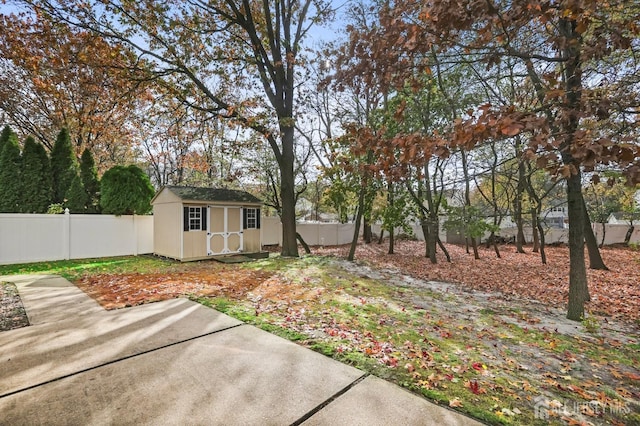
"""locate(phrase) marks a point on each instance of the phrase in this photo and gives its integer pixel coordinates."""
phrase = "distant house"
(196, 223)
(556, 217)
(623, 218)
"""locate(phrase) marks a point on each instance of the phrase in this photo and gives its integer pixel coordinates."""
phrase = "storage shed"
(196, 223)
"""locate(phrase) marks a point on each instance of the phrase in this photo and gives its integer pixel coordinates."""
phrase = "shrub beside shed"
(197, 223)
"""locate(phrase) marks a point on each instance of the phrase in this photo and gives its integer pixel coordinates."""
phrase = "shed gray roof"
(213, 194)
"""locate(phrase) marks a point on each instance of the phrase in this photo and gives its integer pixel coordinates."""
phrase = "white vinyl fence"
(614, 234)
(314, 234)
(41, 237)
(47, 237)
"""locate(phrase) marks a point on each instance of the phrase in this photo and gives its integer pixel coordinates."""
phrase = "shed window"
(195, 219)
(251, 218)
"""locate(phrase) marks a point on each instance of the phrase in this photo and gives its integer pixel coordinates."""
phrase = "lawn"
(490, 350)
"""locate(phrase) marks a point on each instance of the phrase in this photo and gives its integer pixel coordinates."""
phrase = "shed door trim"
(226, 232)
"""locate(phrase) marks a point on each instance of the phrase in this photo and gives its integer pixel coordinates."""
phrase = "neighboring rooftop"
(212, 194)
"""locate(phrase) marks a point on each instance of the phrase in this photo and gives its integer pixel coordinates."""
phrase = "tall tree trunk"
(381, 237)
(366, 231)
(604, 234)
(287, 193)
(595, 259)
(425, 232)
(467, 201)
(433, 226)
(578, 290)
(543, 255)
(427, 214)
(390, 203)
(627, 236)
(364, 185)
(536, 226)
(356, 231)
(572, 76)
(517, 215)
(517, 203)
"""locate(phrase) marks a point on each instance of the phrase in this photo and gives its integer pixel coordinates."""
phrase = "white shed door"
(224, 230)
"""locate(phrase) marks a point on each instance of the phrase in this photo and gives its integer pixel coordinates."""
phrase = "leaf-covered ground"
(614, 293)
(12, 313)
(117, 290)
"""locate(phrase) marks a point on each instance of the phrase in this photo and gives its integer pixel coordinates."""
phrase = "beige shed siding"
(165, 196)
(252, 240)
(167, 227)
(195, 244)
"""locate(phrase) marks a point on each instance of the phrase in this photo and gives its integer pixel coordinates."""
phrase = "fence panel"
(32, 238)
(271, 231)
(41, 237)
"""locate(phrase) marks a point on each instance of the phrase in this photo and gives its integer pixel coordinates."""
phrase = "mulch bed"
(12, 313)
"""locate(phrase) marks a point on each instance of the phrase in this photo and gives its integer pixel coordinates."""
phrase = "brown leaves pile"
(614, 293)
(115, 291)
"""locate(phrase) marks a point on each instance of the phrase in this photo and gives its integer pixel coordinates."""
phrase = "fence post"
(66, 234)
(135, 235)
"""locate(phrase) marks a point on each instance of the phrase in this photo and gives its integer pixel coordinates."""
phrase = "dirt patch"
(278, 289)
(12, 313)
(115, 291)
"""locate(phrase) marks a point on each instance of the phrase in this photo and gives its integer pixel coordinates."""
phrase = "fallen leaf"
(455, 402)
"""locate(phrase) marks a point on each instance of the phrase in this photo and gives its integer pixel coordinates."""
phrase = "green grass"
(73, 269)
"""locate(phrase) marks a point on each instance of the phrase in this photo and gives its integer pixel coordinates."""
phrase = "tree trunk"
(425, 232)
(536, 226)
(467, 200)
(474, 246)
(304, 243)
(366, 231)
(595, 259)
(381, 237)
(604, 233)
(392, 233)
(578, 290)
(517, 207)
(433, 226)
(493, 240)
(572, 76)
(444, 250)
(356, 232)
(627, 236)
(543, 255)
(287, 193)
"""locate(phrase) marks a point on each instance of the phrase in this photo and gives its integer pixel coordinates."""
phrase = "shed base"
(226, 258)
